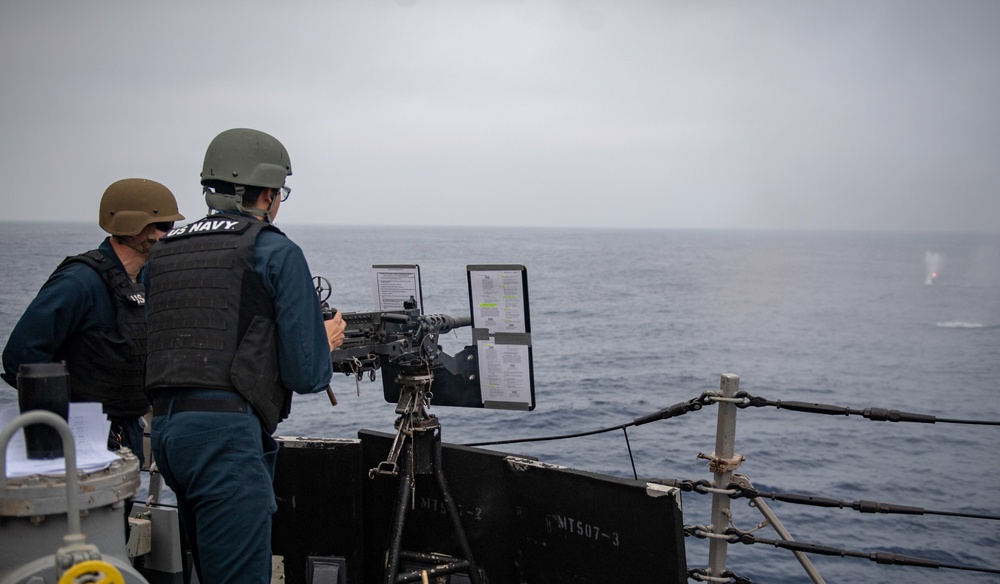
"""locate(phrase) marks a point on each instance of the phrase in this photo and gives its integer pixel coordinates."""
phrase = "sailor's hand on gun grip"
(335, 330)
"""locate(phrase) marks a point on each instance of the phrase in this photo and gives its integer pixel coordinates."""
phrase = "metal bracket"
(722, 465)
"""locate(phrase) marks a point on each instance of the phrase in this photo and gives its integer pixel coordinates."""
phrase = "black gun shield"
(574, 526)
(318, 484)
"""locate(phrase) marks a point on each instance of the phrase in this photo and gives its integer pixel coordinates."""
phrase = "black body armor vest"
(211, 321)
(108, 366)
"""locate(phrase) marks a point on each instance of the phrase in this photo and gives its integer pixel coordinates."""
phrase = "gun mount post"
(418, 441)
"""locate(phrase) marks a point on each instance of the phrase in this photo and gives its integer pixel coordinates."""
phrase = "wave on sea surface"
(958, 324)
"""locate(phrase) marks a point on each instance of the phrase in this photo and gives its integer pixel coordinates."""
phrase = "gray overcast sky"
(662, 114)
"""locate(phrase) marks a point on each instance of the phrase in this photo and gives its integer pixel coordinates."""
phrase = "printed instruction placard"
(498, 300)
(392, 285)
(504, 373)
(501, 328)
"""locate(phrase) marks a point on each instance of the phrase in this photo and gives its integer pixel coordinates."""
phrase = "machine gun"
(403, 343)
(416, 371)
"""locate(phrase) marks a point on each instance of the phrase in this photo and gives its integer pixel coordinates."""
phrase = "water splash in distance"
(933, 261)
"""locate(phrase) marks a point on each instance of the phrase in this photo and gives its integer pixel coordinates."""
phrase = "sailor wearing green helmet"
(235, 329)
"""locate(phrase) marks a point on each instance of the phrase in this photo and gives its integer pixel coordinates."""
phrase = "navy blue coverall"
(75, 298)
(221, 464)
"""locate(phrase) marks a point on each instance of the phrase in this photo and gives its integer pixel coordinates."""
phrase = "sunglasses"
(164, 226)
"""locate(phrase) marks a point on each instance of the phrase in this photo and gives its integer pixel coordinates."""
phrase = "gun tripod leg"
(406, 486)
(456, 521)
(399, 517)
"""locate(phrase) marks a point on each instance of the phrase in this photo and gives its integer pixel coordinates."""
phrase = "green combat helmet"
(242, 157)
(130, 204)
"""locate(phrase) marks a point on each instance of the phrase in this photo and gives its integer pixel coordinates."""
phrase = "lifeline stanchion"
(722, 465)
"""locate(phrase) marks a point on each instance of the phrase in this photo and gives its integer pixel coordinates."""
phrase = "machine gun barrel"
(442, 323)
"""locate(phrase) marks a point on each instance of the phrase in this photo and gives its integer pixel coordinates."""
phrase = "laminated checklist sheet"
(501, 329)
(393, 285)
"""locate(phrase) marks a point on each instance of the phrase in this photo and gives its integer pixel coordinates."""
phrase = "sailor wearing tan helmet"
(90, 313)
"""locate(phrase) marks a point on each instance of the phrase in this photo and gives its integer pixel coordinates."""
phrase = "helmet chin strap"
(143, 247)
(132, 242)
(263, 214)
(275, 199)
(223, 202)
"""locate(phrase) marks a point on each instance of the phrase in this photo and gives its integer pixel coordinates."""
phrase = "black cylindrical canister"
(43, 386)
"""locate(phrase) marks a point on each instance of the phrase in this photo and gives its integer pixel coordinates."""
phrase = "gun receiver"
(404, 340)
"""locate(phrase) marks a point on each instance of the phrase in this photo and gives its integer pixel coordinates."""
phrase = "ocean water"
(626, 322)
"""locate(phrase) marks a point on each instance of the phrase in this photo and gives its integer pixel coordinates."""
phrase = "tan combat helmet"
(130, 204)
